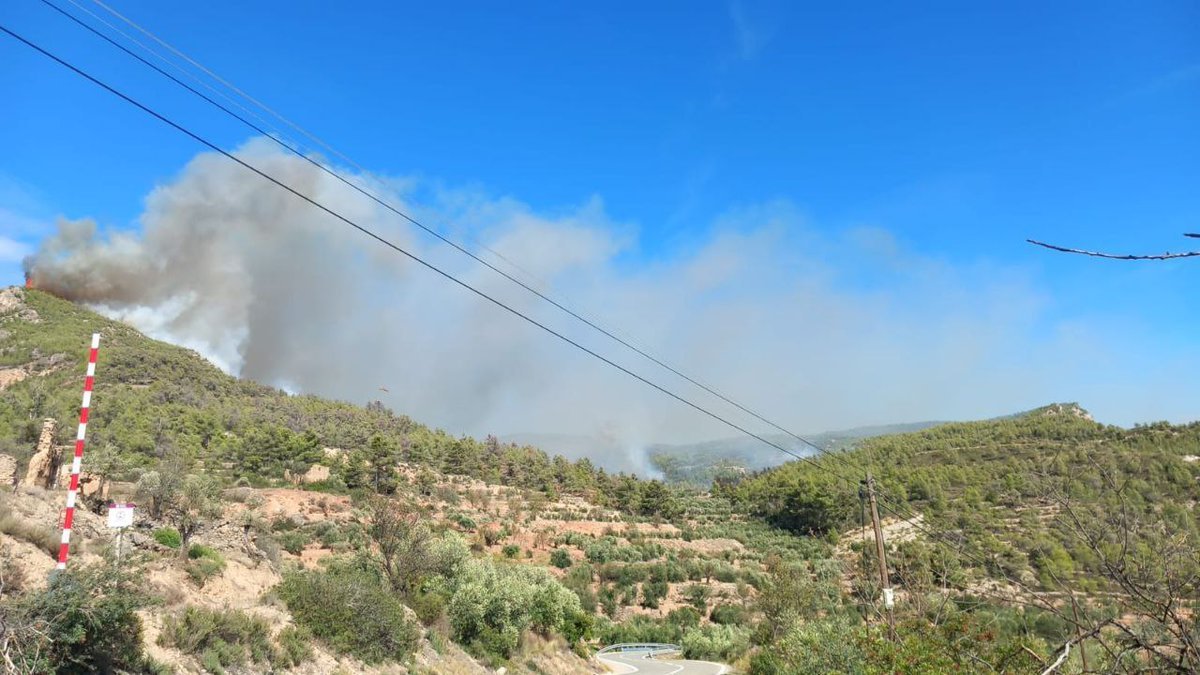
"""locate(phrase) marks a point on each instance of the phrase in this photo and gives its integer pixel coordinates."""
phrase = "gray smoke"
(816, 331)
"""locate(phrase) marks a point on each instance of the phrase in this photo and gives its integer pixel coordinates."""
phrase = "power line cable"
(448, 276)
(896, 509)
(275, 133)
(380, 201)
(223, 81)
(150, 50)
(415, 258)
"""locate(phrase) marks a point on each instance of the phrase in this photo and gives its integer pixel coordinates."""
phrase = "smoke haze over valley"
(816, 331)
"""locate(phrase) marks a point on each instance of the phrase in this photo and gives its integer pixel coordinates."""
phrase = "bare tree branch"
(1117, 256)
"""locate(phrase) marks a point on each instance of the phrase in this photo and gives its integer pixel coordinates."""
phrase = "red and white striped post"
(75, 463)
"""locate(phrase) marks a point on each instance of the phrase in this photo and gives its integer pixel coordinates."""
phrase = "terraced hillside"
(273, 527)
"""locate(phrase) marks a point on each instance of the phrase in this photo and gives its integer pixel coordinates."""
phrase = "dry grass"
(45, 538)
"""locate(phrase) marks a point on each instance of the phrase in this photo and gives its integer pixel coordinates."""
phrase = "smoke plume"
(814, 330)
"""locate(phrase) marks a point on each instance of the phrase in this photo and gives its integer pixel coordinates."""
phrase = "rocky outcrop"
(12, 301)
(43, 467)
(11, 376)
(90, 484)
(8, 470)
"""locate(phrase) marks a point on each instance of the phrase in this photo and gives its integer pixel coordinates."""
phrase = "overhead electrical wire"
(896, 509)
(390, 207)
(450, 277)
(253, 101)
(395, 247)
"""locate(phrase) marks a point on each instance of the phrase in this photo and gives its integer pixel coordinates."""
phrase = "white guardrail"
(651, 648)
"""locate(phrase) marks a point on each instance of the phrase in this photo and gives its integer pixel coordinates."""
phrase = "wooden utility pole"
(884, 583)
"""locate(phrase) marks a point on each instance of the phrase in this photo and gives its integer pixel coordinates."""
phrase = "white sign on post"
(120, 515)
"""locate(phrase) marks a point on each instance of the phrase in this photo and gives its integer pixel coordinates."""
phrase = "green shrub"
(329, 534)
(608, 601)
(600, 552)
(295, 646)
(220, 638)
(83, 621)
(333, 485)
(560, 558)
(511, 551)
(716, 643)
(203, 569)
(293, 541)
(827, 646)
(492, 604)
(728, 614)
(349, 607)
(653, 592)
(203, 564)
(168, 536)
(697, 596)
(202, 551)
(639, 628)
(684, 617)
(429, 605)
(283, 524)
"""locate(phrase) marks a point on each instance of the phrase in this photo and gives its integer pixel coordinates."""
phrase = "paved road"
(635, 663)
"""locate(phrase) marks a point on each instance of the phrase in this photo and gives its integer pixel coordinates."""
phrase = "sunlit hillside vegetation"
(373, 539)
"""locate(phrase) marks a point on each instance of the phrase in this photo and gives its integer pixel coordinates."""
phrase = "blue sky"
(958, 128)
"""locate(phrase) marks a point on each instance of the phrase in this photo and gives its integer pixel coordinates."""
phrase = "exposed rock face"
(43, 467)
(8, 470)
(315, 474)
(10, 376)
(1069, 409)
(12, 301)
(90, 484)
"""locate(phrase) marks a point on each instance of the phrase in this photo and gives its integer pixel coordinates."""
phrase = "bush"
(827, 646)
(196, 551)
(492, 604)
(203, 564)
(684, 617)
(639, 628)
(732, 615)
(716, 643)
(168, 536)
(295, 646)
(349, 607)
(329, 534)
(653, 592)
(283, 524)
(429, 605)
(511, 551)
(220, 638)
(697, 596)
(83, 621)
(293, 541)
(560, 558)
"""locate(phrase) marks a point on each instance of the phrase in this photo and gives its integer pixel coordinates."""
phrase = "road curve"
(638, 663)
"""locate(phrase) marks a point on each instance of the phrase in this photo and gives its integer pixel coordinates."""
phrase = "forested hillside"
(1046, 508)
(700, 464)
(154, 400)
(996, 486)
(267, 521)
